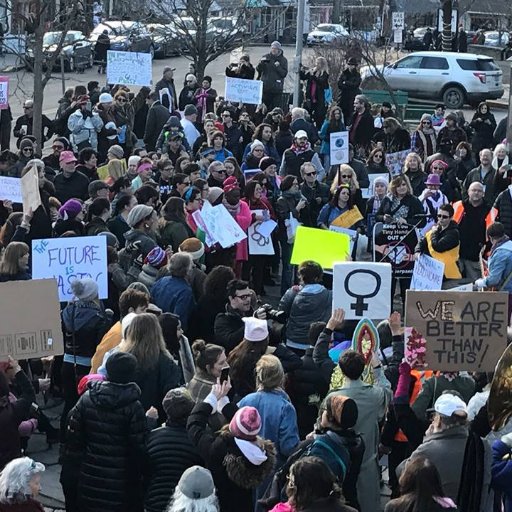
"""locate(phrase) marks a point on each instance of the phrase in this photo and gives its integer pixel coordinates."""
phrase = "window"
(477, 65)
(434, 63)
(409, 63)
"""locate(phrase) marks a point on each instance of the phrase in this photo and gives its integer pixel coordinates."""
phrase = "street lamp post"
(301, 7)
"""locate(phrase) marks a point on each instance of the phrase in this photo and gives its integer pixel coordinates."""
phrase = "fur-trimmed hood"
(240, 471)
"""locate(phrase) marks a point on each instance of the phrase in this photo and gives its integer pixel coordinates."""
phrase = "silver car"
(453, 78)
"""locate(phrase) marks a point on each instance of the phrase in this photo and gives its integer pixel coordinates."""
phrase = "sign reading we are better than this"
(68, 259)
(455, 331)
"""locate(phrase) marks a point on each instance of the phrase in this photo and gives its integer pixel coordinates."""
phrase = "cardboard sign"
(362, 289)
(129, 68)
(4, 92)
(348, 218)
(395, 244)
(30, 319)
(427, 274)
(455, 331)
(68, 259)
(324, 247)
(242, 90)
(10, 189)
(30, 190)
(339, 148)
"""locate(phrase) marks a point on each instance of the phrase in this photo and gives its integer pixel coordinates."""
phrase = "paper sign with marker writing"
(427, 274)
(324, 247)
(10, 189)
(362, 289)
(455, 331)
(221, 225)
(348, 218)
(246, 91)
(129, 68)
(258, 235)
(68, 259)
(4, 92)
(339, 148)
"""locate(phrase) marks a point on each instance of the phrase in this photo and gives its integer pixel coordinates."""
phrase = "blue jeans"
(286, 275)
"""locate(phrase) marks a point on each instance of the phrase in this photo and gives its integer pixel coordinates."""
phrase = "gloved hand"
(507, 439)
(404, 368)
(480, 283)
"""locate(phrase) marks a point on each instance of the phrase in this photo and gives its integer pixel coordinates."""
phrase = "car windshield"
(116, 30)
(326, 28)
(222, 24)
(478, 65)
(51, 38)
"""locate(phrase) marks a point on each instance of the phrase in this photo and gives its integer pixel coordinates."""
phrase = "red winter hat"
(246, 423)
(230, 183)
(84, 381)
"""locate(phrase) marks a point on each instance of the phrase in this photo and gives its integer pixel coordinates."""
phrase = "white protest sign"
(68, 259)
(30, 190)
(221, 225)
(362, 289)
(246, 91)
(462, 288)
(339, 148)
(369, 192)
(4, 92)
(395, 161)
(129, 68)
(260, 241)
(10, 189)
(427, 274)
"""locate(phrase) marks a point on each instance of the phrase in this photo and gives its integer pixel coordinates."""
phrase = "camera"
(272, 314)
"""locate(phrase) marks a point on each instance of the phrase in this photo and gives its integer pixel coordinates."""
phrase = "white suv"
(453, 78)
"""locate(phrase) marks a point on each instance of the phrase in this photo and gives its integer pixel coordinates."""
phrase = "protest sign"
(324, 247)
(369, 192)
(366, 341)
(250, 173)
(221, 225)
(68, 259)
(258, 234)
(103, 170)
(362, 289)
(454, 331)
(30, 319)
(246, 91)
(339, 148)
(395, 244)
(30, 190)
(10, 189)
(427, 274)
(129, 68)
(348, 218)
(4, 92)
(395, 161)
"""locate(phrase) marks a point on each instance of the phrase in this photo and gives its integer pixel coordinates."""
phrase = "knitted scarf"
(300, 149)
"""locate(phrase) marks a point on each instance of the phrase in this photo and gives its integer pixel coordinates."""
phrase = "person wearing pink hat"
(238, 458)
(70, 183)
(432, 198)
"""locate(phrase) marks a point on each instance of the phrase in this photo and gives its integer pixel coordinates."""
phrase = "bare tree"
(447, 9)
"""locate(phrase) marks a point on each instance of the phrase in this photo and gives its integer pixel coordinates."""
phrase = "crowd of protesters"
(185, 390)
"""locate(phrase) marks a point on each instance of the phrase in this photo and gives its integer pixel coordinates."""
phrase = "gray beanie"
(189, 110)
(85, 289)
(196, 483)
(276, 44)
(138, 213)
(116, 151)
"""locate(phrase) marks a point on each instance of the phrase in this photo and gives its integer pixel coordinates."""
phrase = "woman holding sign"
(341, 204)
(347, 176)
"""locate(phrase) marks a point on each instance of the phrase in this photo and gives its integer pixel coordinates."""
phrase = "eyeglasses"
(27, 150)
(121, 100)
(443, 216)
(244, 297)
(258, 149)
(377, 156)
(312, 173)
(346, 175)
(426, 122)
(226, 115)
(221, 171)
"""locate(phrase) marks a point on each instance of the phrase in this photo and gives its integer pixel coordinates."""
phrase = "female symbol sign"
(359, 306)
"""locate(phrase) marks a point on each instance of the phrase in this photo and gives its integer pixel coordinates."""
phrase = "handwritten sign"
(246, 91)
(339, 148)
(30, 190)
(221, 226)
(427, 274)
(4, 92)
(68, 259)
(258, 234)
(30, 319)
(129, 68)
(348, 218)
(454, 331)
(362, 289)
(10, 189)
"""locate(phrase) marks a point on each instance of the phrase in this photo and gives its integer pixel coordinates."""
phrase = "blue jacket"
(501, 471)
(500, 267)
(174, 295)
(278, 418)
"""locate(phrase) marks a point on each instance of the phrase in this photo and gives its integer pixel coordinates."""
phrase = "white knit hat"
(255, 329)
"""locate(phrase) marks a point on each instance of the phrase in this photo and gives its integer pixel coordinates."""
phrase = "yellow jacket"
(111, 339)
(449, 258)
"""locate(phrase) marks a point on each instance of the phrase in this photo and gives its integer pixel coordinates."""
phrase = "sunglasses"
(312, 173)
(443, 216)
(244, 297)
(438, 168)
(226, 115)
(346, 175)
(121, 100)
(426, 122)
(377, 156)
(27, 150)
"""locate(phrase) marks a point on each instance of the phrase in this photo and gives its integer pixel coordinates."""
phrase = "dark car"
(165, 40)
(125, 36)
(76, 51)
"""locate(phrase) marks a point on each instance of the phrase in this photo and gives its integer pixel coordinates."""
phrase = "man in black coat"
(5, 128)
(462, 40)
(361, 131)
(272, 70)
(25, 122)
(155, 120)
(348, 85)
(70, 183)
(100, 51)
(166, 85)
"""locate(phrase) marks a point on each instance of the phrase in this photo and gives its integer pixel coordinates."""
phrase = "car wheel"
(453, 97)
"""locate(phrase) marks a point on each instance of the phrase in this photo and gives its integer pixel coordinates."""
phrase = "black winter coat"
(271, 74)
(484, 126)
(229, 329)
(107, 426)
(413, 205)
(170, 452)
(504, 205)
(348, 86)
(234, 476)
(158, 115)
(74, 186)
(442, 241)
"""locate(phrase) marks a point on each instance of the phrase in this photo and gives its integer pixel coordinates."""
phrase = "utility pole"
(301, 7)
(509, 123)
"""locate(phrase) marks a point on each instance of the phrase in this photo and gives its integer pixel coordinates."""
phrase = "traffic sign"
(398, 20)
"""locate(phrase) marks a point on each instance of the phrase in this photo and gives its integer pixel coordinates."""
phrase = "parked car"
(327, 33)
(76, 50)
(126, 36)
(453, 78)
(164, 40)
(492, 38)
(223, 29)
(186, 31)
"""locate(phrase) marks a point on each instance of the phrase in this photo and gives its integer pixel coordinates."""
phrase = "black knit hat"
(121, 367)
(266, 162)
